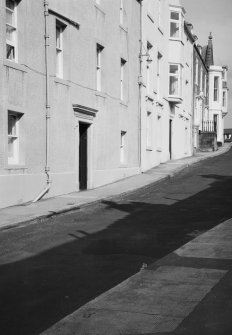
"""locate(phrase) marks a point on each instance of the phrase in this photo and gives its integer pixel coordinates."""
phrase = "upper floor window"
(223, 74)
(175, 25)
(149, 68)
(123, 147)
(160, 13)
(121, 12)
(122, 79)
(197, 72)
(149, 130)
(174, 80)
(201, 79)
(205, 87)
(99, 67)
(216, 89)
(224, 99)
(11, 30)
(159, 59)
(59, 49)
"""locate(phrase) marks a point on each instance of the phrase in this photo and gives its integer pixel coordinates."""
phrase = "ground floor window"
(149, 130)
(123, 147)
(13, 137)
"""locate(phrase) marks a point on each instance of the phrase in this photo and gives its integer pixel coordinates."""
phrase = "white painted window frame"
(149, 68)
(60, 50)
(99, 49)
(179, 22)
(197, 71)
(160, 13)
(122, 79)
(205, 89)
(224, 98)
(159, 65)
(149, 130)
(15, 136)
(159, 133)
(121, 12)
(13, 43)
(216, 89)
(178, 75)
(123, 147)
(201, 79)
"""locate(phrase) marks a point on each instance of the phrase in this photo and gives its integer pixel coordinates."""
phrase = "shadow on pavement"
(39, 290)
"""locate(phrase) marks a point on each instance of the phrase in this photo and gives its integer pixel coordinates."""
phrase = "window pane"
(174, 29)
(175, 16)
(215, 95)
(10, 4)
(173, 85)
(174, 69)
(9, 17)
(11, 125)
(10, 52)
(9, 33)
(58, 39)
(11, 147)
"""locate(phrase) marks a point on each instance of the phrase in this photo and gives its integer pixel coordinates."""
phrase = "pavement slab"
(215, 244)
(149, 302)
(160, 298)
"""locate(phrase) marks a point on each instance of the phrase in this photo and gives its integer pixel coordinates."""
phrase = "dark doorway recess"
(170, 138)
(83, 155)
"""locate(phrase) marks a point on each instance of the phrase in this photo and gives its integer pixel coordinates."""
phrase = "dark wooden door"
(83, 156)
(170, 138)
(215, 121)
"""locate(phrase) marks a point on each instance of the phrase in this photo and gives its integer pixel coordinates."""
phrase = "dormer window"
(175, 25)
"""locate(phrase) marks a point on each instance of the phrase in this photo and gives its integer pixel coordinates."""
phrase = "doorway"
(83, 155)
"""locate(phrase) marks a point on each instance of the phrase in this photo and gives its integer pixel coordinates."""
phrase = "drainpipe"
(48, 116)
(140, 87)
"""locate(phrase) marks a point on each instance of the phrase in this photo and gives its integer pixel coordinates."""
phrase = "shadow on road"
(41, 289)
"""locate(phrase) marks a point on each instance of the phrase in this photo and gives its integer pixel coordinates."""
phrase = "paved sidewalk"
(186, 292)
(21, 214)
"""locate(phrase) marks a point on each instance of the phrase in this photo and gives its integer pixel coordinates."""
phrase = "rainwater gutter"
(48, 115)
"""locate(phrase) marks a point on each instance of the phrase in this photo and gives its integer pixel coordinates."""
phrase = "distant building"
(165, 83)
(200, 94)
(218, 93)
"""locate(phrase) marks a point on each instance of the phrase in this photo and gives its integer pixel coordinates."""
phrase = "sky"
(214, 16)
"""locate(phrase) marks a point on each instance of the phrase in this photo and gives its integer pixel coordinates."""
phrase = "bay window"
(175, 25)
(216, 88)
(224, 98)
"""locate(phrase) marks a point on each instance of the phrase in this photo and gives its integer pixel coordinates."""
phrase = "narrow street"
(50, 268)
